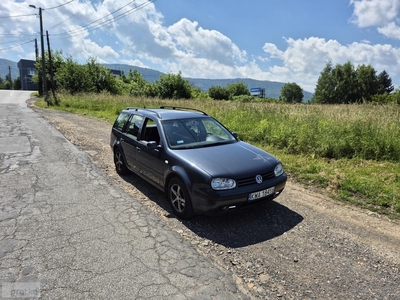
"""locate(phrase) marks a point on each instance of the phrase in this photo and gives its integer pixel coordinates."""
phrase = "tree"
(292, 93)
(17, 83)
(73, 77)
(346, 87)
(238, 89)
(137, 86)
(385, 83)
(367, 82)
(101, 78)
(218, 93)
(171, 86)
(325, 89)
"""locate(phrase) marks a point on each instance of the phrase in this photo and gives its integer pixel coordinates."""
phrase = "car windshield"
(196, 132)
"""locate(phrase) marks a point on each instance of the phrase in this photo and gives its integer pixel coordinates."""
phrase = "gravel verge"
(304, 245)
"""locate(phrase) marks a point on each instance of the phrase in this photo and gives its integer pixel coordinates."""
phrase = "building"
(26, 71)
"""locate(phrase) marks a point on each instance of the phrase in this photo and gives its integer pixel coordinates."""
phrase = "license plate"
(261, 194)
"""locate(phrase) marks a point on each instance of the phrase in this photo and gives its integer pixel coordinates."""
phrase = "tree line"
(8, 84)
(345, 84)
(342, 84)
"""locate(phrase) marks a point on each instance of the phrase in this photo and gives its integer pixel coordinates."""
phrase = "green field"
(350, 152)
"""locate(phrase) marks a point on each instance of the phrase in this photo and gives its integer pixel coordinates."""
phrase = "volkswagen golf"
(200, 165)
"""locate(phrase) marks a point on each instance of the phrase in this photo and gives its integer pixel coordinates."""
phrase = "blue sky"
(280, 40)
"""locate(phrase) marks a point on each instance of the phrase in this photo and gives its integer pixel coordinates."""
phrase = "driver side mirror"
(152, 145)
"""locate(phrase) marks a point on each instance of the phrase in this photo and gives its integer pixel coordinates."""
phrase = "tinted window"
(121, 121)
(151, 131)
(134, 126)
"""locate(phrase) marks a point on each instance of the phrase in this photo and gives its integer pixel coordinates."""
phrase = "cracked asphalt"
(66, 232)
(117, 238)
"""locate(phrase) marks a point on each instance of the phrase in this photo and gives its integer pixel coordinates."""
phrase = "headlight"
(278, 170)
(223, 184)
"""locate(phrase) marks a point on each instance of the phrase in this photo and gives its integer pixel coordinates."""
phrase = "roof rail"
(148, 109)
(183, 108)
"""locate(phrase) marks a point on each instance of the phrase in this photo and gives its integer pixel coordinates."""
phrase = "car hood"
(237, 159)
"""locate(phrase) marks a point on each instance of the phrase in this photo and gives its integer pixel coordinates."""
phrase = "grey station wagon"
(201, 166)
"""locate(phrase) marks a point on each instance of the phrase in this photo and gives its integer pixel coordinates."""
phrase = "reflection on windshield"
(194, 133)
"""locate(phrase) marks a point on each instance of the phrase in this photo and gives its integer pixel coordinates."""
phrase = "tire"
(179, 198)
(119, 162)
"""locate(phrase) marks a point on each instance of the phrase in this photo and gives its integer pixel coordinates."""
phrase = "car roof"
(168, 113)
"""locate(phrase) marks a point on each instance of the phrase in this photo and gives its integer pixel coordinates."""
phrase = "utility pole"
(9, 74)
(51, 67)
(40, 81)
(43, 58)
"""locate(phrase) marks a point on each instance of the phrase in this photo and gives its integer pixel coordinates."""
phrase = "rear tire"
(179, 198)
(119, 162)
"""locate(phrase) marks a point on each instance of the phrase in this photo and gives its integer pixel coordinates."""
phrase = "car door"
(130, 140)
(150, 160)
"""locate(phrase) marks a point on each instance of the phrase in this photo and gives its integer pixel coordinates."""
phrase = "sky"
(275, 40)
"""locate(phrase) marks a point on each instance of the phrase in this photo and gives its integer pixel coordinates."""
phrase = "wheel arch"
(181, 174)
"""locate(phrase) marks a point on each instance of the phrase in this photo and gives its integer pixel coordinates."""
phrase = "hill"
(4, 64)
(272, 88)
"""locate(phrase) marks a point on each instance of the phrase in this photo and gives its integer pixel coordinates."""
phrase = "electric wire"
(59, 5)
(17, 45)
(89, 27)
(86, 4)
(6, 17)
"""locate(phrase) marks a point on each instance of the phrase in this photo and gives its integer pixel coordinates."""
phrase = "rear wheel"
(179, 198)
(119, 162)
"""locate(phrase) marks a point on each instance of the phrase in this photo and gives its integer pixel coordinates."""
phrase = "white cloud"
(273, 50)
(133, 62)
(141, 38)
(382, 14)
(303, 60)
(390, 30)
(374, 12)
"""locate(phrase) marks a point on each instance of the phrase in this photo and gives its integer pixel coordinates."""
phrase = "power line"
(6, 17)
(16, 45)
(87, 4)
(89, 27)
(58, 5)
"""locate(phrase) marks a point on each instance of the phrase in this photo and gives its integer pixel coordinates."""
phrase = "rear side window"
(121, 121)
(135, 123)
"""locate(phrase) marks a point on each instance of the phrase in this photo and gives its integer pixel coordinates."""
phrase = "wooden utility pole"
(51, 66)
(9, 74)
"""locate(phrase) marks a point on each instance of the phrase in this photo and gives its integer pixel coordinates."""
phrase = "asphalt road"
(66, 232)
(82, 232)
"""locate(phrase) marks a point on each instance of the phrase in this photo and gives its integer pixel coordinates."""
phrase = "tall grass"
(329, 131)
(353, 151)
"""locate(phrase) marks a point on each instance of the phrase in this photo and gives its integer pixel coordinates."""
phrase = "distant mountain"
(149, 75)
(4, 64)
(272, 89)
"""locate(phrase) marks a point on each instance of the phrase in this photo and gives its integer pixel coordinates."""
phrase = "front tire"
(179, 198)
(119, 162)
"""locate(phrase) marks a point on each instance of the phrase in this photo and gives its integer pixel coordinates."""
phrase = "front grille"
(252, 180)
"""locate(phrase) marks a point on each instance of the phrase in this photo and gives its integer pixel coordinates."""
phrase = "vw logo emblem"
(259, 179)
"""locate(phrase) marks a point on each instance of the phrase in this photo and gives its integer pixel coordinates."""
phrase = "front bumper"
(210, 202)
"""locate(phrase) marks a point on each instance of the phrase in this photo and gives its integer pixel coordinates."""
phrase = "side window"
(215, 129)
(151, 131)
(121, 121)
(134, 126)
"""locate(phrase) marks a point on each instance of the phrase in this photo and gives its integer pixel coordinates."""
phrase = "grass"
(351, 152)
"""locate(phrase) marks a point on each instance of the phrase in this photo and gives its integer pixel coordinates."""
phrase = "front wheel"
(179, 198)
(119, 162)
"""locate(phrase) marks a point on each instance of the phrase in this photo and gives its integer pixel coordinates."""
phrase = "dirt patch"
(304, 245)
